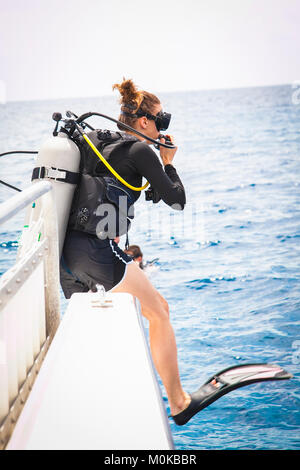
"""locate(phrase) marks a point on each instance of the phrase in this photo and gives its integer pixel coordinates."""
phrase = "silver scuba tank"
(57, 162)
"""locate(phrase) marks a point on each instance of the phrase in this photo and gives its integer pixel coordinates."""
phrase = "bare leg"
(162, 338)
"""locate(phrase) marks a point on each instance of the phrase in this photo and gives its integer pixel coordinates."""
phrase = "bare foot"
(214, 382)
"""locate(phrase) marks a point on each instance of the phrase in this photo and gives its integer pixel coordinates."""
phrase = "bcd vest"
(102, 205)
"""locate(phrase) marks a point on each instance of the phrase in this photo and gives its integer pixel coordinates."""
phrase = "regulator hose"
(10, 153)
(96, 151)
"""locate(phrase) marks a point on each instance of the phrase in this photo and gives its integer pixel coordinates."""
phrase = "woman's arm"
(165, 181)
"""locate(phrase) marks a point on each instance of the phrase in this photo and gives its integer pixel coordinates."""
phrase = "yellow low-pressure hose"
(105, 162)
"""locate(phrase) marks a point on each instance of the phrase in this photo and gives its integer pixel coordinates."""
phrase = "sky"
(72, 48)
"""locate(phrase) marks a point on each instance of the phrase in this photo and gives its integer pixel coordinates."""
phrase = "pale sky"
(72, 48)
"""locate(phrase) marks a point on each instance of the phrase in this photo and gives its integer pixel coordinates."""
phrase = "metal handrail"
(46, 250)
(10, 208)
(21, 200)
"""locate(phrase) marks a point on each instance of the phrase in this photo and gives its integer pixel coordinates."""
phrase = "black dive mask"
(162, 119)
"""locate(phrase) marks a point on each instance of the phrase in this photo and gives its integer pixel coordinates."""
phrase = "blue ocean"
(229, 265)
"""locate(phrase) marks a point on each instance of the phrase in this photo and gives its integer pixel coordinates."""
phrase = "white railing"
(29, 301)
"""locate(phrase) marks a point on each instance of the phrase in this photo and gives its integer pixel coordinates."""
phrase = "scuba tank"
(58, 162)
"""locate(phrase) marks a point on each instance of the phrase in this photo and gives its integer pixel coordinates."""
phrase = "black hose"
(70, 114)
(129, 128)
(18, 151)
(9, 153)
(10, 186)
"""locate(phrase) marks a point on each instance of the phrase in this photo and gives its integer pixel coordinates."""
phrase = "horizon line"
(157, 92)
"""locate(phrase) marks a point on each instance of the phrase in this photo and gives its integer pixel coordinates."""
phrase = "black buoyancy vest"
(102, 205)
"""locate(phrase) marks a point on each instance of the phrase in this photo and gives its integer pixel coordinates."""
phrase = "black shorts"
(87, 261)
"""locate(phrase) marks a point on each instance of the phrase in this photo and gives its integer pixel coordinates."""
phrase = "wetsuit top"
(88, 260)
(136, 160)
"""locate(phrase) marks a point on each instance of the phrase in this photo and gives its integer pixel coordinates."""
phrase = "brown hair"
(133, 100)
(134, 251)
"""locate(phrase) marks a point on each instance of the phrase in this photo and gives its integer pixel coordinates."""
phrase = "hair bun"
(130, 95)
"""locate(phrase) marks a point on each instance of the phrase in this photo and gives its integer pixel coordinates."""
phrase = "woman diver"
(89, 260)
(91, 256)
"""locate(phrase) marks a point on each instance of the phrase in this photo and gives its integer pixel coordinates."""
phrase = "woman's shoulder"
(141, 148)
(144, 157)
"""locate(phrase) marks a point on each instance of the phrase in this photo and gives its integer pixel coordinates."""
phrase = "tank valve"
(56, 117)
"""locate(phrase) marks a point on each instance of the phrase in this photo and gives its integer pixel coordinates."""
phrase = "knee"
(163, 310)
(158, 311)
(165, 306)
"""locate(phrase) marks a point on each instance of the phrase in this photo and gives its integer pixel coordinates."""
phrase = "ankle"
(181, 404)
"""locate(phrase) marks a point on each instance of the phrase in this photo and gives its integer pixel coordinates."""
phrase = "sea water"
(228, 264)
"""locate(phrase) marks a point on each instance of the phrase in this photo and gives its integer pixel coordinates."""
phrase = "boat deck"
(96, 388)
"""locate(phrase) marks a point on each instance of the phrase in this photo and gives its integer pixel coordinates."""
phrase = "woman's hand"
(167, 155)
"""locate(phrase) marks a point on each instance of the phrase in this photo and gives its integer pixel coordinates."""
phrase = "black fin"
(227, 380)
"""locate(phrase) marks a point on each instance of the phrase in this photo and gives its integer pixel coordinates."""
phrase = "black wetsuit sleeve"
(167, 183)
